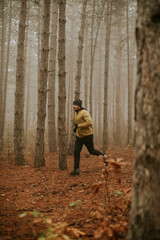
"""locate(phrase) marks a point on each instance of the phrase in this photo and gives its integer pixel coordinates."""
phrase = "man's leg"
(77, 150)
(88, 141)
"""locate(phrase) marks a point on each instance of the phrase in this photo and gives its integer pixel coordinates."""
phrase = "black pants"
(88, 142)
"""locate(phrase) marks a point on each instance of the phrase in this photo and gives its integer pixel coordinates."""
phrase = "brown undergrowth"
(47, 203)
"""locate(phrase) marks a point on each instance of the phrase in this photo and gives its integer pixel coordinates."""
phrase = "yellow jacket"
(84, 121)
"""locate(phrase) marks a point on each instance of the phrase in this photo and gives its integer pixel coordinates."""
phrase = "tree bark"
(62, 135)
(6, 75)
(86, 68)
(2, 75)
(145, 209)
(92, 58)
(28, 78)
(71, 134)
(105, 109)
(27, 74)
(52, 143)
(40, 8)
(129, 136)
(80, 51)
(118, 82)
(42, 91)
(100, 99)
(19, 93)
(93, 49)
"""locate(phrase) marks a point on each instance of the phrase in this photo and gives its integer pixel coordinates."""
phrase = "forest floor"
(48, 203)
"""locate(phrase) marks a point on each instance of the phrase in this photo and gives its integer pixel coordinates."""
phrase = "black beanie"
(78, 102)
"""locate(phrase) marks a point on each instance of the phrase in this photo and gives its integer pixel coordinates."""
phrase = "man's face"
(76, 107)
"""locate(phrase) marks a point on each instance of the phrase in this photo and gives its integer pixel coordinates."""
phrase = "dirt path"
(94, 205)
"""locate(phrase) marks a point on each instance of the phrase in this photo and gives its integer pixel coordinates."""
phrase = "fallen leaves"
(105, 233)
(64, 200)
(96, 187)
(116, 165)
(111, 231)
(96, 215)
(74, 232)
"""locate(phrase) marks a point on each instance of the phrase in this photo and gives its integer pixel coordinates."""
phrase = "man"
(84, 134)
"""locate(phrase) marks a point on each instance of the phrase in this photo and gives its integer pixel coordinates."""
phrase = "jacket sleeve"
(87, 121)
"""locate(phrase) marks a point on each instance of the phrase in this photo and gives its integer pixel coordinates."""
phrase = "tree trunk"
(93, 49)
(80, 49)
(145, 209)
(71, 135)
(118, 125)
(129, 136)
(86, 68)
(2, 75)
(19, 93)
(100, 98)
(62, 136)
(27, 75)
(6, 73)
(133, 66)
(42, 91)
(39, 37)
(105, 109)
(52, 77)
(92, 59)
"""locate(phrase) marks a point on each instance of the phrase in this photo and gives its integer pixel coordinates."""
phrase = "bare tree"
(28, 80)
(107, 44)
(100, 97)
(71, 81)
(145, 209)
(94, 45)
(27, 73)
(129, 140)
(70, 113)
(62, 135)
(52, 77)
(86, 69)
(6, 73)
(19, 93)
(80, 49)
(39, 36)
(42, 90)
(2, 73)
(118, 74)
(92, 58)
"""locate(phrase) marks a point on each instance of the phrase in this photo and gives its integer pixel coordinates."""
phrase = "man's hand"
(75, 127)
